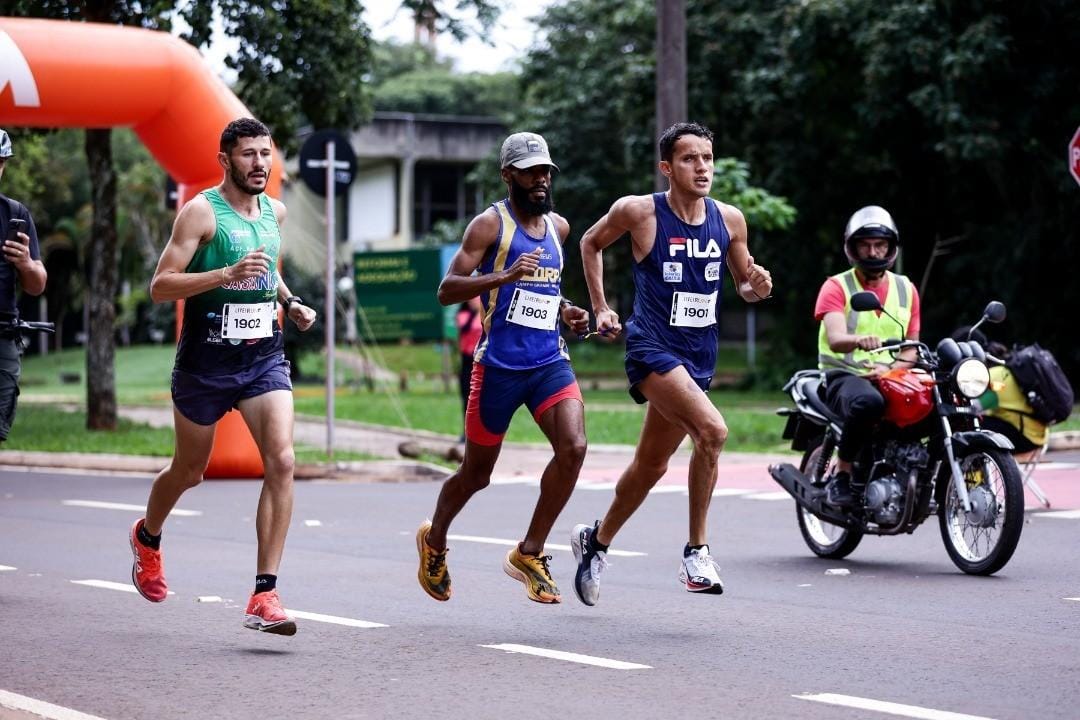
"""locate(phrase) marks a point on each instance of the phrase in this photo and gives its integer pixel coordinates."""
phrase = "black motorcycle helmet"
(871, 221)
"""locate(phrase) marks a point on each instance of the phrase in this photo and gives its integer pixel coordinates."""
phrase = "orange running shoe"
(264, 613)
(433, 575)
(146, 572)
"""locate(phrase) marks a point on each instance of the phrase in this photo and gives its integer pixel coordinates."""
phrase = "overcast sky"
(511, 36)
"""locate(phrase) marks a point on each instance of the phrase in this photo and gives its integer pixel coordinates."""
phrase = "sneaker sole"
(420, 571)
(513, 572)
(579, 553)
(134, 571)
(282, 627)
(701, 589)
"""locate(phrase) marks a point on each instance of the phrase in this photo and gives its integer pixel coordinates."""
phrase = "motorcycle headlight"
(972, 377)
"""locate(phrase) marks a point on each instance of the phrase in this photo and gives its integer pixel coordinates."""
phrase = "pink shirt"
(469, 332)
(831, 299)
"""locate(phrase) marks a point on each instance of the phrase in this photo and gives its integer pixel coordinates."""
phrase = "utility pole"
(670, 70)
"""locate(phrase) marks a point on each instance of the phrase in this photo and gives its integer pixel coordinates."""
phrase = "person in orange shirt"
(470, 326)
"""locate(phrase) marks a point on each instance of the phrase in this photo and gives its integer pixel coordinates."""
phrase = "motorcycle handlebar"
(25, 325)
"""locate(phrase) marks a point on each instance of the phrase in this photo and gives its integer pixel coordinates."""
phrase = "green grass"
(47, 428)
(142, 376)
(50, 429)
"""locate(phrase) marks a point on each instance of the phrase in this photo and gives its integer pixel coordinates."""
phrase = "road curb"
(383, 471)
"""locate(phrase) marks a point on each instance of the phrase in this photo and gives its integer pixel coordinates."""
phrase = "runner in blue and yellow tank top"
(512, 258)
(222, 260)
(683, 240)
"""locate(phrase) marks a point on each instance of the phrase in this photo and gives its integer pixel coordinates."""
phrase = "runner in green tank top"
(222, 260)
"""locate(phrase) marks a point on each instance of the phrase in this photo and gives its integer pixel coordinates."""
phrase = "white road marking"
(313, 523)
(125, 506)
(722, 492)
(837, 571)
(913, 711)
(568, 656)
(514, 481)
(333, 619)
(41, 708)
(1075, 599)
(209, 599)
(7, 567)
(778, 495)
(109, 585)
(1059, 514)
(548, 546)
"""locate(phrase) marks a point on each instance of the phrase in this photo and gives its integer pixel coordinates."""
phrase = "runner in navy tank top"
(512, 258)
(682, 240)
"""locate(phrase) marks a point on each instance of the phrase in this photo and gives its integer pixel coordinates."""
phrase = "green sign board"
(395, 294)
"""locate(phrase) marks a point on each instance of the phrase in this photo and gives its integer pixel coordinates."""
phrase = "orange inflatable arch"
(66, 74)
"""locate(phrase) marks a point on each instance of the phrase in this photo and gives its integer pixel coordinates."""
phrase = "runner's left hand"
(759, 278)
(302, 316)
(576, 318)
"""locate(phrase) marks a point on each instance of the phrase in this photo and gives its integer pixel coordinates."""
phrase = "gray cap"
(524, 150)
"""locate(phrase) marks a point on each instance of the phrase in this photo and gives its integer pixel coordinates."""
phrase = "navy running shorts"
(495, 394)
(204, 399)
(643, 359)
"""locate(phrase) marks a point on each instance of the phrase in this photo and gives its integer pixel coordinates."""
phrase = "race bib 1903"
(693, 309)
(246, 321)
(533, 310)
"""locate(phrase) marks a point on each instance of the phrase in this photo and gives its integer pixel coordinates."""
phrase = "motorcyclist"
(20, 267)
(846, 337)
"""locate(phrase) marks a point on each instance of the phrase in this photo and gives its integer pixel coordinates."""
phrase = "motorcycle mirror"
(865, 301)
(994, 312)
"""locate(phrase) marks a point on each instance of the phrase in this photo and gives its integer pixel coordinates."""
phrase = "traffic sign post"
(1074, 155)
(327, 166)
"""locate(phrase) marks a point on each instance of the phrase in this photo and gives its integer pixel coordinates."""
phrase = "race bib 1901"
(247, 321)
(693, 309)
(533, 310)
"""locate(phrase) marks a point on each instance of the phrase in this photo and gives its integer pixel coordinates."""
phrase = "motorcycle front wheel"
(982, 541)
(823, 538)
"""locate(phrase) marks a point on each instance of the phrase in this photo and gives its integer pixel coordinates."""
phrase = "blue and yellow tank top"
(521, 319)
(677, 287)
(203, 347)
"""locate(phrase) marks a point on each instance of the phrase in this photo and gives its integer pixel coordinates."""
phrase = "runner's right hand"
(525, 264)
(255, 264)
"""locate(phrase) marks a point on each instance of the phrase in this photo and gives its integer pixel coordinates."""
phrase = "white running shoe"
(590, 562)
(700, 573)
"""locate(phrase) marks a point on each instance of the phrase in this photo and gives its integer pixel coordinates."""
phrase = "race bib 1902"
(693, 309)
(246, 321)
(533, 310)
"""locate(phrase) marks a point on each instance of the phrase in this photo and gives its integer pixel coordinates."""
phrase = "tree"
(297, 63)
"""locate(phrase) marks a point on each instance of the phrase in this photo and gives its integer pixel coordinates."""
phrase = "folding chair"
(1029, 469)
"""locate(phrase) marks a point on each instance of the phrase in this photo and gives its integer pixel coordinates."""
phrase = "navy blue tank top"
(521, 319)
(677, 288)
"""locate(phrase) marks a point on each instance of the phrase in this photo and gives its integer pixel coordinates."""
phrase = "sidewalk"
(518, 462)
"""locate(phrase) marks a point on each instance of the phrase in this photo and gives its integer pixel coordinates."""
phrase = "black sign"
(313, 161)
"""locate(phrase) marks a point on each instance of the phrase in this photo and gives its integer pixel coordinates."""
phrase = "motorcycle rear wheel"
(984, 547)
(823, 538)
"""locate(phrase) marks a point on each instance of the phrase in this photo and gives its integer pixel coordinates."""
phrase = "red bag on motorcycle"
(908, 395)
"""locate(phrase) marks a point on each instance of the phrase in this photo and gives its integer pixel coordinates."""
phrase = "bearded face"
(531, 191)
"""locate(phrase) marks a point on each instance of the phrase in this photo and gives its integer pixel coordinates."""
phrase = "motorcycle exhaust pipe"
(798, 485)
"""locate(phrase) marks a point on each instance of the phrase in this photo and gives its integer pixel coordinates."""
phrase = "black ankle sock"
(596, 545)
(686, 550)
(151, 541)
(265, 583)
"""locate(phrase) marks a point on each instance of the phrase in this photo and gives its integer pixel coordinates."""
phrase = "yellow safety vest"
(897, 304)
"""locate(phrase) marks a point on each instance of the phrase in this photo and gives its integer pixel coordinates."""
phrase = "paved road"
(902, 627)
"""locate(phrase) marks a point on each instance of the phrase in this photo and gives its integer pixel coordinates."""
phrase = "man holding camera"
(21, 263)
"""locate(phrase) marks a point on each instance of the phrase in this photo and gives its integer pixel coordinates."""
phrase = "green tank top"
(202, 349)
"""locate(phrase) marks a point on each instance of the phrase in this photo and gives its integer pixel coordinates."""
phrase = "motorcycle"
(927, 455)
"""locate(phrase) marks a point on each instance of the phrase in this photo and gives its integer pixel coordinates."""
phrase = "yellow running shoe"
(433, 575)
(532, 570)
